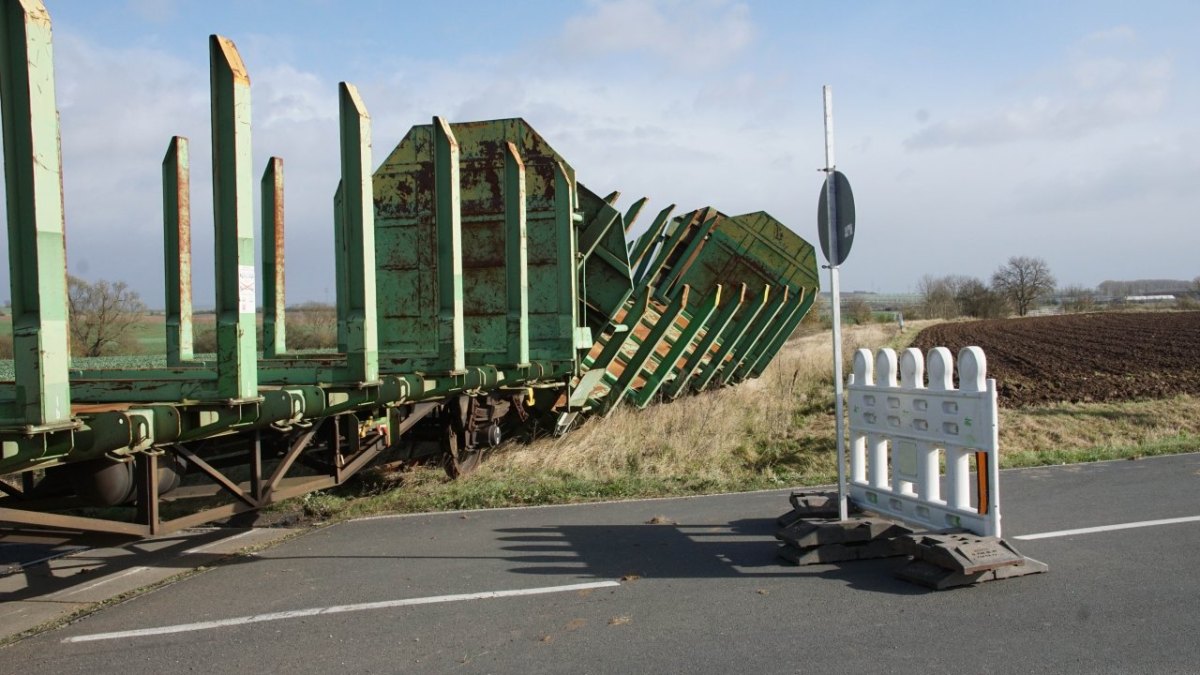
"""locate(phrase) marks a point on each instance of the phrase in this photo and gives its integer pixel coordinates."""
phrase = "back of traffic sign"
(843, 200)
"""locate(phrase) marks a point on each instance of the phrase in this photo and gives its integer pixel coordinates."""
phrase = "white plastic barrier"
(917, 426)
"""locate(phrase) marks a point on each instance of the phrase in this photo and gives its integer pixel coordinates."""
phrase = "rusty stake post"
(36, 240)
(233, 211)
(362, 340)
(274, 295)
(177, 251)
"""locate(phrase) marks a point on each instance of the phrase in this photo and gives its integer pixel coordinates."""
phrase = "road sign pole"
(835, 301)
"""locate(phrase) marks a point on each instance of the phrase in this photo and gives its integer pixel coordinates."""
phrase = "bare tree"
(1077, 298)
(101, 314)
(1023, 280)
(937, 297)
(940, 295)
(858, 311)
(977, 300)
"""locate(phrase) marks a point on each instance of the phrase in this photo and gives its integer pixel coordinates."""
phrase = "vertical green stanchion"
(591, 236)
(776, 344)
(668, 288)
(757, 333)
(340, 281)
(635, 364)
(274, 295)
(564, 223)
(448, 215)
(654, 268)
(36, 241)
(362, 339)
(640, 258)
(633, 316)
(233, 211)
(631, 215)
(781, 326)
(712, 333)
(730, 342)
(666, 365)
(597, 369)
(516, 257)
(177, 251)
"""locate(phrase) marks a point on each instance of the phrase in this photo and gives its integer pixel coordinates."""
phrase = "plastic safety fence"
(902, 431)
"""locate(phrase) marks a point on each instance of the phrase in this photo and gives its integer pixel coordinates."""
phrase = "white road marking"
(105, 580)
(200, 549)
(336, 609)
(1109, 528)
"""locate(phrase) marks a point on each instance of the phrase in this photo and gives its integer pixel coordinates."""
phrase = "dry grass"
(776, 431)
(778, 428)
(1053, 428)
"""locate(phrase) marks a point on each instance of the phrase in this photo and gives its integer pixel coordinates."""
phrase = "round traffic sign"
(844, 226)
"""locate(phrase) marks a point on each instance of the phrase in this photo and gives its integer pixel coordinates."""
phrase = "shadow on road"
(742, 548)
(37, 563)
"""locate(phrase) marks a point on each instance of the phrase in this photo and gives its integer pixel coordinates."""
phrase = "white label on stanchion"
(246, 304)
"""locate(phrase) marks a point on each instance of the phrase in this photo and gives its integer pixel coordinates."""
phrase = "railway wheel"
(471, 428)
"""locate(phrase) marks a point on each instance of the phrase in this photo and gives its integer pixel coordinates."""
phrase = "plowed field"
(1082, 357)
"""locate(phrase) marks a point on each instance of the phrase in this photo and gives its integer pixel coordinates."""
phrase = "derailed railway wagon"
(481, 288)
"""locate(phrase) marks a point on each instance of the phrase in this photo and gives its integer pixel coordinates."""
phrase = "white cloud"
(156, 11)
(1119, 34)
(692, 34)
(1086, 94)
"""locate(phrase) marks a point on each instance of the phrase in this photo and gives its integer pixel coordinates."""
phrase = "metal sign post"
(831, 204)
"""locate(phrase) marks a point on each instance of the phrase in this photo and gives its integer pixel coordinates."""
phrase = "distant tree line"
(1121, 289)
(107, 318)
(1023, 283)
(1016, 286)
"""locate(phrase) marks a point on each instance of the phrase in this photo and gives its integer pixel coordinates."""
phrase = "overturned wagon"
(479, 286)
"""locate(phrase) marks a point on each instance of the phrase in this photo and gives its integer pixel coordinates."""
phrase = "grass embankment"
(777, 431)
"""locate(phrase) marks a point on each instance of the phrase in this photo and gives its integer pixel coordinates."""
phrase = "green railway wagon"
(480, 286)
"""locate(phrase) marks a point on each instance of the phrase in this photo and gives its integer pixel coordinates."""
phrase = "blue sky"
(970, 131)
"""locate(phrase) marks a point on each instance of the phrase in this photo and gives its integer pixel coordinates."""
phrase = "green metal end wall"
(408, 256)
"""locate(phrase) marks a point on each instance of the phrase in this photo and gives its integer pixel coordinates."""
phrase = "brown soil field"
(1082, 357)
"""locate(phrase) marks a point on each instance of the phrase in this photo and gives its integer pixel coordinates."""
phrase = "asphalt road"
(691, 585)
